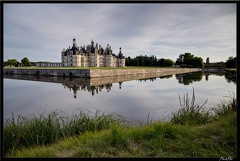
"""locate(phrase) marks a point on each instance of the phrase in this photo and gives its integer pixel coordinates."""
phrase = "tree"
(189, 60)
(161, 62)
(26, 62)
(33, 63)
(180, 59)
(5, 63)
(168, 63)
(197, 62)
(207, 60)
(12, 62)
(231, 62)
(146, 61)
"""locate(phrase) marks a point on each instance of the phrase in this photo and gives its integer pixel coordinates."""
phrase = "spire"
(92, 42)
(120, 55)
(74, 42)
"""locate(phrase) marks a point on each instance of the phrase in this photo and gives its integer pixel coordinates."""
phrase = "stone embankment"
(97, 73)
(94, 81)
(126, 72)
(213, 69)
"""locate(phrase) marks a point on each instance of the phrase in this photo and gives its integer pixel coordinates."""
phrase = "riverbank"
(191, 132)
(87, 81)
(96, 72)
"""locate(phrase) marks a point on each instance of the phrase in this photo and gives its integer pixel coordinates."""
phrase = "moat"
(136, 100)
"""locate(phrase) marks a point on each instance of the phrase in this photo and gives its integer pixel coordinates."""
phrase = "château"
(88, 56)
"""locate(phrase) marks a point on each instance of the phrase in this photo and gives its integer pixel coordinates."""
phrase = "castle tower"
(74, 42)
(120, 55)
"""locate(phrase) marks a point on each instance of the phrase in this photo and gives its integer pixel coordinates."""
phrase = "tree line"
(23, 63)
(148, 61)
(189, 60)
(184, 60)
(231, 62)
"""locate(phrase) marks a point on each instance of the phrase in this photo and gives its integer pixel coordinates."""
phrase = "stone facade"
(91, 56)
(49, 64)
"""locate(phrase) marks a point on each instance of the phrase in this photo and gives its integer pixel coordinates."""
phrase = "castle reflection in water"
(92, 89)
(97, 85)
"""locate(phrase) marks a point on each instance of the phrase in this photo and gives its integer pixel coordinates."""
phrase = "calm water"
(133, 99)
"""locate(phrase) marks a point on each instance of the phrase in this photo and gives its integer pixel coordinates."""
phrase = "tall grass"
(226, 107)
(29, 131)
(192, 114)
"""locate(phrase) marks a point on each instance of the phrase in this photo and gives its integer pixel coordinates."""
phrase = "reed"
(190, 113)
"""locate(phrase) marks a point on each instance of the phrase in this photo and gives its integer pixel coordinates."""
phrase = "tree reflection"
(230, 78)
(166, 77)
(188, 78)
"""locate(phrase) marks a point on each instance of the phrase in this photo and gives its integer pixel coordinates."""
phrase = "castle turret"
(74, 47)
(92, 43)
(120, 55)
(74, 42)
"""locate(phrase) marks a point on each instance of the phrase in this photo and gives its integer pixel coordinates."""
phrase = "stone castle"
(89, 56)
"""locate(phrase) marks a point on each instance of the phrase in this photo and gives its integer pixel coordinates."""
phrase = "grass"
(190, 113)
(43, 130)
(226, 107)
(193, 131)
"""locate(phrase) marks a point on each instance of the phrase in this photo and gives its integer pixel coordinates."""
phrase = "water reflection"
(189, 78)
(151, 79)
(96, 85)
(133, 96)
(91, 89)
(231, 78)
(155, 78)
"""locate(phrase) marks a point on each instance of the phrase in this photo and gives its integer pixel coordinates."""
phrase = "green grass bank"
(192, 131)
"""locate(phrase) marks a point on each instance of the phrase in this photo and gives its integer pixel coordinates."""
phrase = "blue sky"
(41, 31)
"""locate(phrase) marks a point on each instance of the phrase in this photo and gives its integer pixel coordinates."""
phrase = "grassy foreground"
(192, 131)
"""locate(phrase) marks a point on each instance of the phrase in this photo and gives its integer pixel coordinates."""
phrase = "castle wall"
(97, 73)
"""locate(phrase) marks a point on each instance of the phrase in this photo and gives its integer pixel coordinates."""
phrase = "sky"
(40, 31)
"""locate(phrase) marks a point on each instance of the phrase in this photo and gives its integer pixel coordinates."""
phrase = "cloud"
(41, 31)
